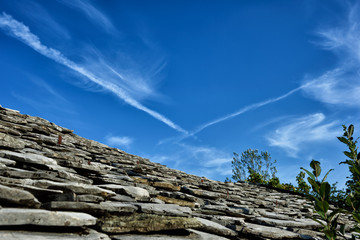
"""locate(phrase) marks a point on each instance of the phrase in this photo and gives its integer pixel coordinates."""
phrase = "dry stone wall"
(57, 185)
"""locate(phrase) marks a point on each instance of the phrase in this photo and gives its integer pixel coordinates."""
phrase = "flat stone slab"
(7, 162)
(103, 207)
(18, 196)
(135, 192)
(198, 235)
(21, 235)
(274, 215)
(164, 209)
(213, 227)
(78, 188)
(28, 158)
(148, 237)
(193, 235)
(305, 224)
(267, 232)
(201, 193)
(165, 185)
(143, 222)
(20, 216)
(11, 142)
(179, 202)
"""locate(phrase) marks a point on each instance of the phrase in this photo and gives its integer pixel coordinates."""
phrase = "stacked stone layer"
(57, 185)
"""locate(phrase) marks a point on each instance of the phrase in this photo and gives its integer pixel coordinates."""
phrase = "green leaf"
(348, 201)
(344, 140)
(309, 173)
(350, 130)
(318, 221)
(356, 216)
(342, 229)
(314, 184)
(316, 166)
(347, 162)
(325, 191)
(334, 223)
(348, 154)
(322, 207)
(326, 175)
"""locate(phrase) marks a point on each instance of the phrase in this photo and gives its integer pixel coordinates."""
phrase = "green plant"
(227, 180)
(287, 187)
(321, 197)
(353, 198)
(302, 187)
(255, 177)
(274, 182)
(253, 166)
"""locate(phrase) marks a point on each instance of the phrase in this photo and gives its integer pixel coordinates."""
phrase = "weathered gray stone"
(166, 185)
(213, 227)
(17, 216)
(201, 193)
(122, 198)
(176, 201)
(90, 198)
(103, 207)
(7, 141)
(143, 222)
(305, 224)
(198, 235)
(148, 237)
(28, 158)
(266, 232)
(7, 162)
(228, 221)
(136, 192)
(18, 196)
(274, 215)
(150, 204)
(193, 234)
(163, 209)
(21, 235)
(78, 188)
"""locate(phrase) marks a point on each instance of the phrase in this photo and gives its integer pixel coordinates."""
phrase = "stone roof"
(57, 185)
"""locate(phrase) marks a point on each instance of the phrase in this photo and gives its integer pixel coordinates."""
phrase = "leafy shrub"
(253, 166)
(321, 198)
(302, 187)
(353, 198)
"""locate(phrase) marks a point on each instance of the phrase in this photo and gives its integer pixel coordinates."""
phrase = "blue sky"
(187, 83)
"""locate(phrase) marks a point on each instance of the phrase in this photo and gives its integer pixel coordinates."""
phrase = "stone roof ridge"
(56, 184)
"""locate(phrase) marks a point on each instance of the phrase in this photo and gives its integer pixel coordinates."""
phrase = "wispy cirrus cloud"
(91, 12)
(241, 111)
(43, 19)
(137, 78)
(22, 33)
(117, 141)
(300, 131)
(341, 85)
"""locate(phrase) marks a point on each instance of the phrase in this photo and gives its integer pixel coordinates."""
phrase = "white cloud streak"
(341, 85)
(119, 141)
(245, 109)
(91, 12)
(299, 131)
(21, 32)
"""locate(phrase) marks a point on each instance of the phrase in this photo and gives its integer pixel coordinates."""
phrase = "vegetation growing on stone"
(321, 198)
(253, 166)
(353, 184)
